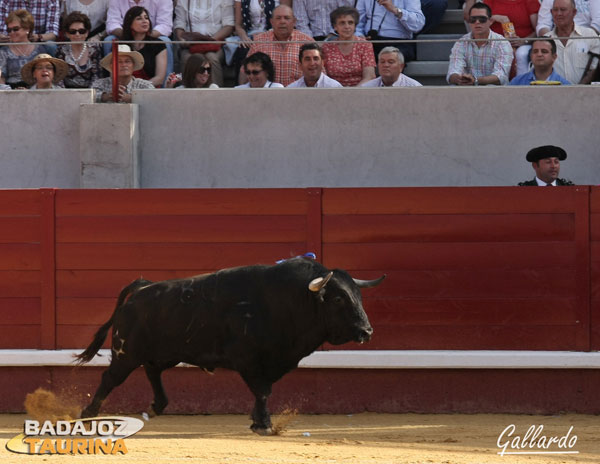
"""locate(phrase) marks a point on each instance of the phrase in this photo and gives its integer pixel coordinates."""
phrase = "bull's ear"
(317, 284)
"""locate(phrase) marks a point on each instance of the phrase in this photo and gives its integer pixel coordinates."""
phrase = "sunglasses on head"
(478, 19)
(204, 70)
(14, 29)
(77, 31)
(254, 72)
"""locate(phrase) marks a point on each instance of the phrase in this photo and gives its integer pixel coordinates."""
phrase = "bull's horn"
(369, 283)
(317, 284)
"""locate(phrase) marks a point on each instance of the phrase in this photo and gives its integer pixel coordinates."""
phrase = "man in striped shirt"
(482, 62)
(283, 55)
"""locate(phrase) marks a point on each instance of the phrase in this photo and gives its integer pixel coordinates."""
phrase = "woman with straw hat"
(44, 72)
(128, 62)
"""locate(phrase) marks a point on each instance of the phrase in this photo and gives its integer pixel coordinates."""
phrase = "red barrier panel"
(468, 268)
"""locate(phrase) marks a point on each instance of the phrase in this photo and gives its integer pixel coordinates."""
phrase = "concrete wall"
(39, 138)
(430, 136)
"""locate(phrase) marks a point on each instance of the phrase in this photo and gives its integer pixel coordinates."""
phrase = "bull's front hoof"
(262, 431)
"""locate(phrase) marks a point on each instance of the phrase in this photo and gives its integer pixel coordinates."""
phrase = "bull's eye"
(338, 300)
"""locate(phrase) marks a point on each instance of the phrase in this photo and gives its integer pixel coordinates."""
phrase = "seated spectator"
(251, 17)
(545, 161)
(196, 75)
(588, 15)
(391, 20)
(543, 56)
(44, 72)
(82, 57)
(523, 15)
(128, 62)
(351, 64)
(573, 52)
(204, 21)
(96, 10)
(312, 16)
(137, 26)
(311, 64)
(46, 15)
(3, 86)
(160, 13)
(391, 65)
(13, 57)
(284, 55)
(260, 71)
(484, 61)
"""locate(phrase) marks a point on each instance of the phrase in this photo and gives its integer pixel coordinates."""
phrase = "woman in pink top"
(351, 64)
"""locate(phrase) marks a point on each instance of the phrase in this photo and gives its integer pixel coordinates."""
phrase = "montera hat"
(546, 151)
(138, 59)
(60, 68)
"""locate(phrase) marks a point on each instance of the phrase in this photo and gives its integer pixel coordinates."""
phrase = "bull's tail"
(102, 332)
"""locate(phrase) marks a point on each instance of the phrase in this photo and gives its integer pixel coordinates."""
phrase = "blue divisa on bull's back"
(257, 320)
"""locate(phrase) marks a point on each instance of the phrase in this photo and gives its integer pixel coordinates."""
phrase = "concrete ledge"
(380, 359)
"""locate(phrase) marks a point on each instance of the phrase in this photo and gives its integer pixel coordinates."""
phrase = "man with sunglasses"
(481, 57)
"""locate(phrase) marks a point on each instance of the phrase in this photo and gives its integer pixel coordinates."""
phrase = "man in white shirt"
(391, 65)
(311, 65)
(572, 54)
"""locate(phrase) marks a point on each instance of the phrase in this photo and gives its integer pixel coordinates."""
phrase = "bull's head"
(345, 316)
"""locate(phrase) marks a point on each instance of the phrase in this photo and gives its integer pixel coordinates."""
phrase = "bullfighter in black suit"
(546, 164)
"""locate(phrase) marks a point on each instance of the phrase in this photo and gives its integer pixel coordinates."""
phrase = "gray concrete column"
(109, 145)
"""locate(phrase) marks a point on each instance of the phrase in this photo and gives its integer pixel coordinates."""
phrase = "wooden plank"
(314, 234)
(141, 202)
(84, 311)
(583, 270)
(20, 284)
(48, 270)
(180, 229)
(595, 200)
(449, 228)
(448, 200)
(172, 256)
(19, 203)
(108, 283)
(19, 336)
(20, 256)
(480, 283)
(471, 338)
(76, 336)
(20, 229)
(507, 256)
(20, 311)
(471, 311)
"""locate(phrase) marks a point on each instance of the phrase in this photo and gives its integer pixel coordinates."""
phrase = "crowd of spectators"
(288, 43)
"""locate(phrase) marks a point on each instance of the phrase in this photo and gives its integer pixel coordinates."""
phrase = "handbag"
(205, 48)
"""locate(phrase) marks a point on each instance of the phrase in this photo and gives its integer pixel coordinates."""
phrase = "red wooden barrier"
(468, 268)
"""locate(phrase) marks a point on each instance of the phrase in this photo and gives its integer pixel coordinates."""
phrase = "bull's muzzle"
(364, 335)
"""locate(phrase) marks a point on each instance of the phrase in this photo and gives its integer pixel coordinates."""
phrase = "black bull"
(257, 320)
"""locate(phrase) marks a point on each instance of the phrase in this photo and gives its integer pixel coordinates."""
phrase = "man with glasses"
(260, 72)
(486, 59)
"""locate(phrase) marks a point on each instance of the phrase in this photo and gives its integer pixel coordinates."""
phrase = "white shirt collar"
(541, 183)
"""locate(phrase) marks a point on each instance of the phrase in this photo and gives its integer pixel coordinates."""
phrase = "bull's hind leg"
(261, 419)
(160, 397)
(112, 377)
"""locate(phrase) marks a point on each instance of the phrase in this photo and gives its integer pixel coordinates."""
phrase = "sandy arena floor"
(353, 439)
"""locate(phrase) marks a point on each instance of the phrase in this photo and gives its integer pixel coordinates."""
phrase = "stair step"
(418, 69)
(453, 16)
(436, 51)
